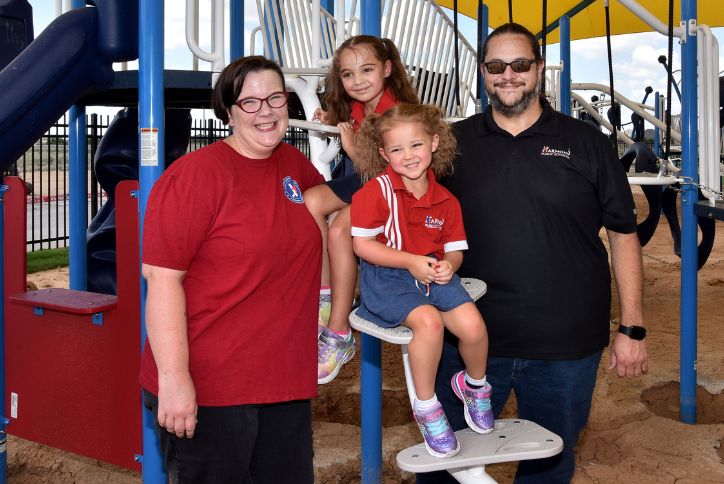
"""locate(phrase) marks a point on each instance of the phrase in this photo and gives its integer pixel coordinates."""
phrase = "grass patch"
(43, 260)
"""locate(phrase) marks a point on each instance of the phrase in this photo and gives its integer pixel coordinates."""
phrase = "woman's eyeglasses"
(253, 104)
(519, 65)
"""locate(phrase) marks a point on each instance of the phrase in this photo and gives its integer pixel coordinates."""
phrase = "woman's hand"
(167, 335)
(422, 268)
(177, 404)
(443, 272)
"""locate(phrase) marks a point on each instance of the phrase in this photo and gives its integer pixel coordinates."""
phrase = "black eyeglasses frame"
(518, 66)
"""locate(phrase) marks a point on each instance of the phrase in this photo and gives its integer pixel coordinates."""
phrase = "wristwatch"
(634, 332)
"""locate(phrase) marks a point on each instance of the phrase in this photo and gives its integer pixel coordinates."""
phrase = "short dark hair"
(517, 29)
(231, 82)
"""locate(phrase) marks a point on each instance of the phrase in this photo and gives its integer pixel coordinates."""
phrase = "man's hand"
(628, 357)
(177, 404)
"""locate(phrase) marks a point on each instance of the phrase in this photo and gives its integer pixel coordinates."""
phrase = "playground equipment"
(512, 439)
(79, 48)
(73, 381)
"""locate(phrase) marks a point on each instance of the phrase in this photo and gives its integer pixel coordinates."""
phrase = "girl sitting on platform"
(408, 231)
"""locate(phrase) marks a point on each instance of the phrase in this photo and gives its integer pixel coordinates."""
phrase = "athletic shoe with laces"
(440, 440)
(476, 401)
(333, 351)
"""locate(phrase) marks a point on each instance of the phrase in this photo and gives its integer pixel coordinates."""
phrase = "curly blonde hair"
(370, 163)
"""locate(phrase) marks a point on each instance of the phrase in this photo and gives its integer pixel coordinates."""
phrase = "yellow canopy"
(591, 20)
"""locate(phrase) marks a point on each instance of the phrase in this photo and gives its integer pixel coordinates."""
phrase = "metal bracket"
(692, 30)
(97, 319)
(38, 311)
(134, 193)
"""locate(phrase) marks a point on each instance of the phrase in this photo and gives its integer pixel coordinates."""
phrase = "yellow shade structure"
(587, 16)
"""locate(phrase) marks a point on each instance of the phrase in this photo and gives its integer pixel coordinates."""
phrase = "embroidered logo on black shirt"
(548, 151)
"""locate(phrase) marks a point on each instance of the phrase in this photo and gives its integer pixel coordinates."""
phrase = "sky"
(634, 56)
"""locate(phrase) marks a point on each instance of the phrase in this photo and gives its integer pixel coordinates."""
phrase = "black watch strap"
(634, 332)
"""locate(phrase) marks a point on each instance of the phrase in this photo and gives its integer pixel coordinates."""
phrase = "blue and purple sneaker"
(476, 401)
(440, 440)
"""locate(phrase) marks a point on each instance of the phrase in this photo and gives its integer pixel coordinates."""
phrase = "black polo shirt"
(533, 206)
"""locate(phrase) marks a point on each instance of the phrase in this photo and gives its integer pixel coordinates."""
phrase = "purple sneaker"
(333, 351)
(478, 412)
(440, 440)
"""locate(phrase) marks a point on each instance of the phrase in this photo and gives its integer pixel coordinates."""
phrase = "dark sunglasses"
(519, 65)
(253, 104)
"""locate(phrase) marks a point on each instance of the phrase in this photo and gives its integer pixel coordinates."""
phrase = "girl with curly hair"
(408, 232)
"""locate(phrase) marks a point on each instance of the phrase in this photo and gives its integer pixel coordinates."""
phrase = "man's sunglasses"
(498, 67)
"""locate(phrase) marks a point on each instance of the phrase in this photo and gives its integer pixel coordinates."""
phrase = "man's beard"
(519, 106)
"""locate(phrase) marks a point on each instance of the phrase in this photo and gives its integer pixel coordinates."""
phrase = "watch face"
(638, 333)
(633, 332)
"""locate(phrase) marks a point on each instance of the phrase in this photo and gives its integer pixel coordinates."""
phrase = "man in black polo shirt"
(536, 187)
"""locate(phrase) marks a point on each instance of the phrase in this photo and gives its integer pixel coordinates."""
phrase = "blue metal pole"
(3, 421)
(483, 25)
(78, 190)
(689, 196)
(78, 196)
(370, 372)
(657, 113)
(328, 5)
(151, 164)
(564, 23)
(236, 12)
(371, 17)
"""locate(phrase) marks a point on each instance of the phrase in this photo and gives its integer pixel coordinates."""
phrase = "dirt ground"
(633, 433)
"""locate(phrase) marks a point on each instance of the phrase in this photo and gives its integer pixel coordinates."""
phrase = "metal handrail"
(216, 55)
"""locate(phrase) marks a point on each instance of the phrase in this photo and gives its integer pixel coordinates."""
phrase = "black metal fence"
(44, 167)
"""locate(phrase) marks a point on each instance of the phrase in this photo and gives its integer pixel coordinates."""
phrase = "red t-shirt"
(387, 100)
(385, 209)
(252, 255)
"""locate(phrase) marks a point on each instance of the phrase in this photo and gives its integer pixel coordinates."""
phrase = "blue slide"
(71, 57)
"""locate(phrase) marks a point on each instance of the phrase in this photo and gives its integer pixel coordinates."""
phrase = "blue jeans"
(553, 393)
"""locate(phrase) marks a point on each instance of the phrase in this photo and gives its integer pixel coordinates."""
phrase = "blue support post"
(483, 25)
(328, 5)
(236, 29)
(3, 409)
(371, 372)
(564, 24)
(371, 17)
(657, 113)
(78, 190)
(151, 165)
(689, 196)
(78, 196)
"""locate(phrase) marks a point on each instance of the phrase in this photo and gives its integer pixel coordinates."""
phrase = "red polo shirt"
(387, 100)
(385, 209)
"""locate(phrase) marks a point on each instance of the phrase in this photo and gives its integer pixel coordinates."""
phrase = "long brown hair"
(339, 102)
(370, 163)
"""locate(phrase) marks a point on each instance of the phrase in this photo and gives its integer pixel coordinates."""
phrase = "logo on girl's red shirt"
(434, 223)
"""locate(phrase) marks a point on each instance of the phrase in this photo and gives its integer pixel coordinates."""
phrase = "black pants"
(249, 444)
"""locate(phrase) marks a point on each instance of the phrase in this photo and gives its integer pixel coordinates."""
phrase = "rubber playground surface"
(633, 434)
